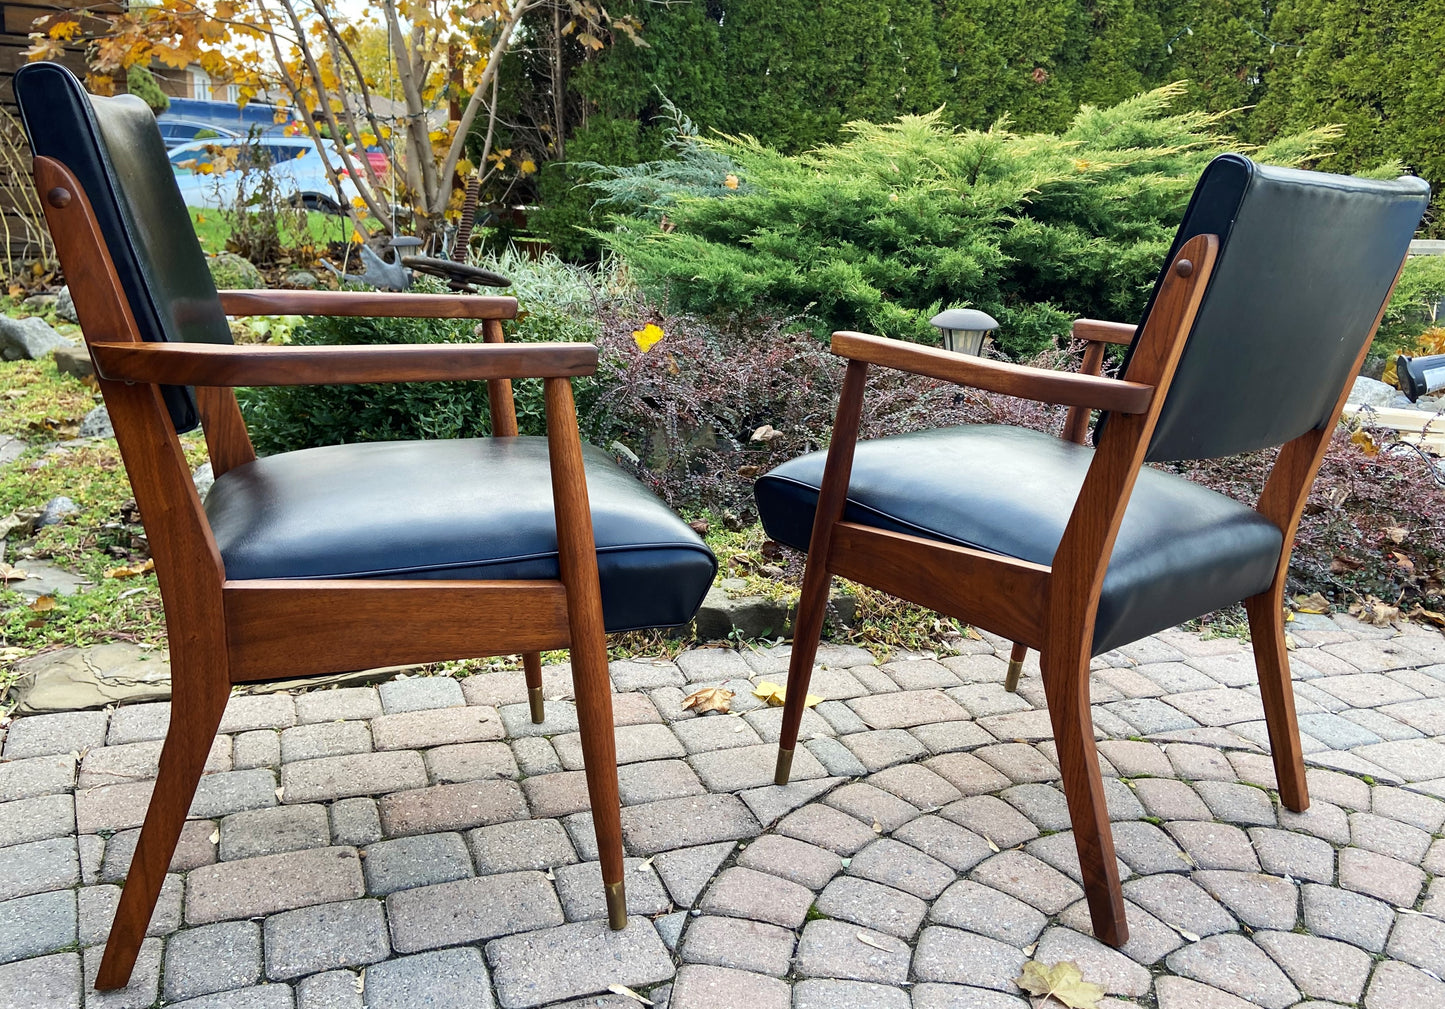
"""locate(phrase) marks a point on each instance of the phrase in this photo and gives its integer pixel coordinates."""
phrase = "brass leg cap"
(539, 712)
(785, 766)
(1015, 670)
(616, 905)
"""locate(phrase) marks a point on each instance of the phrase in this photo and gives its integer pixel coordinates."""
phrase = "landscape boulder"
(28, 339)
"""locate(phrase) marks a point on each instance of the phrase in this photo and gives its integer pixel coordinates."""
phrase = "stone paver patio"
(423, 844)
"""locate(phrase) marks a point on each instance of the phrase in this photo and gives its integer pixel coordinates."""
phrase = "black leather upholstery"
(474, 508)
(1306, 260)
(1182, 550)
(114, 148)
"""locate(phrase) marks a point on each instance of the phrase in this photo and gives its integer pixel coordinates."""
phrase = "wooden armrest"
(375, 304)
(208, 364)
(1039, 384)
(1104, 332)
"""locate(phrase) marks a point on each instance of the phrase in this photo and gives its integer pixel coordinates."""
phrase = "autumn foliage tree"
(438, 93)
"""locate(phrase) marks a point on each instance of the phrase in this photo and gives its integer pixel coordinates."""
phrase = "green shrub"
(285, 418)
(1412, 307)
(900, 220)
(143, 84)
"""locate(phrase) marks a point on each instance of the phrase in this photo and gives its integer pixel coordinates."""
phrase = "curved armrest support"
(1039, 384)
(1096, 331)
(376, 304)
(208, 364)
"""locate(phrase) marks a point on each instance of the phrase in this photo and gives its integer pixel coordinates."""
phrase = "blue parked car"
(188, 117)
(210, 172)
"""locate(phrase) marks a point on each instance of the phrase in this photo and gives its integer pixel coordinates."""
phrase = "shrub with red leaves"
(689, 407)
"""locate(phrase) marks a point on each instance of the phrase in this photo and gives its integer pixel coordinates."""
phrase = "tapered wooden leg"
(196, 708)
(813, 601)
(1015, 666)
(577, 560)
(532, 664)
(1271, 659)
(807, 629)
(1066, 684)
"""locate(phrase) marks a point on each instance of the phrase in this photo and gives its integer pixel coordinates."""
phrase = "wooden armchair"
(1259, 321)
(348, 556)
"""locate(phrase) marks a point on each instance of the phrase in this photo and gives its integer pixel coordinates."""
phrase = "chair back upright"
(1306, 261)
(115, 150)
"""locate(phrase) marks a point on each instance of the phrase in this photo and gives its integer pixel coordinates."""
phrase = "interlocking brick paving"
(424, 843)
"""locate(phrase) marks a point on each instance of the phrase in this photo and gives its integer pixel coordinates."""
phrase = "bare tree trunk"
(420, 165)
(475, 103)
(559, 86)
(323, 102)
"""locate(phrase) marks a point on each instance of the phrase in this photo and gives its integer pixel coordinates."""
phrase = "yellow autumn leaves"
(776, 696)
(647, 337)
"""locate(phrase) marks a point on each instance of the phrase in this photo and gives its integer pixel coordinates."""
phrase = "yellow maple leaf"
(776, 696)
(528, 166)
(1365, 442)
(646, 337)
(1063, 982)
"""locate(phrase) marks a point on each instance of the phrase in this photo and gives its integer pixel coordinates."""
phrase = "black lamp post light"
(964, 329)
(1418, 376)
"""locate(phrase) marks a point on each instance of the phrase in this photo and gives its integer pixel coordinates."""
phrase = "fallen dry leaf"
(1396, 534)
(1064, 982)
(991, 846)
(131, 570)
(1312, 603)
(622, 989)
(1375, 611)
(1433, 616)
(868, 940)
(765, 434)
(708, 699)
(9, 574)
(777, 696)
(43, 603)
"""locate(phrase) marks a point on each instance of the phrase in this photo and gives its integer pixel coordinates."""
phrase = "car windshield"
(206, 158)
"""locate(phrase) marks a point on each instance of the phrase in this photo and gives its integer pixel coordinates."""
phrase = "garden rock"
(722, 615)
(203, 478)
(303, 279)
(96, 424)
(65, 306)
(28, 339)
(11, 448)
(234, 273)
(55, 510)
(45, 579)
(1372, 392)
(74, 679)
(74, 360)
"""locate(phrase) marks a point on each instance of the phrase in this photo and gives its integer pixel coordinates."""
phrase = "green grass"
(213, 229)
(44, 407)
(40, 404)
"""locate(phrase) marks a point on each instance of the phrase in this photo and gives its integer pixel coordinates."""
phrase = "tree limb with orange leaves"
(441, 54)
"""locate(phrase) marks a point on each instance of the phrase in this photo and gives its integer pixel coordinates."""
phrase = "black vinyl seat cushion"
(466, 509)
(1182, 549)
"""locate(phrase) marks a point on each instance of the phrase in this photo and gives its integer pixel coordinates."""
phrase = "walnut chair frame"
(226, 632)
(1052, 607)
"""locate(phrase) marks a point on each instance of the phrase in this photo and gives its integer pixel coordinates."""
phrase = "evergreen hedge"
(898, 221)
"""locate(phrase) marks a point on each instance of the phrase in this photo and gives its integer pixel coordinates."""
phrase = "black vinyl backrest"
(114, 149)
(1305, 262)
